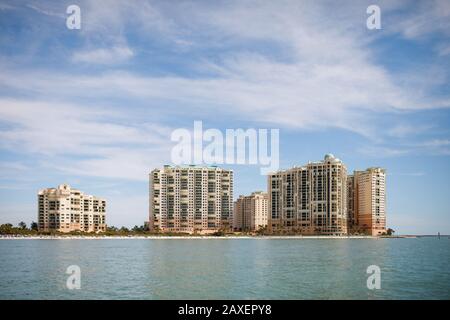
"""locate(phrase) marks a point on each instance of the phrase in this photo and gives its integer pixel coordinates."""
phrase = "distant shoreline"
(205, 237)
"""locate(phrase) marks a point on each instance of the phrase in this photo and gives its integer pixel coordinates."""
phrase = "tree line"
(23, 229)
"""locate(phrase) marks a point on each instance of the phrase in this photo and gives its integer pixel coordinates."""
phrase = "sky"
(95, 107)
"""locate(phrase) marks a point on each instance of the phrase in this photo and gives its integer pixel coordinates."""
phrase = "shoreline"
(294, 237)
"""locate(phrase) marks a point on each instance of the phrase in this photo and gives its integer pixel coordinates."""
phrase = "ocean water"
(417, 268)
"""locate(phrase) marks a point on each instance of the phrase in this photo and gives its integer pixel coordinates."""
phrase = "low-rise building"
(64, 209)
(251, 212)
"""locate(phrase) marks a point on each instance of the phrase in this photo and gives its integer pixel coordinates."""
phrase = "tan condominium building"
(64, 209)
(310, 200)
(367, 201)
(251, 212)
(191, 199)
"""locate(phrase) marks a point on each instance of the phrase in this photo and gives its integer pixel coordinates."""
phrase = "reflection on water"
(226, 269)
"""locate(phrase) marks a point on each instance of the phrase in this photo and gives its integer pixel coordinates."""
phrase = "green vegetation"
(389, 232)
(21, 229)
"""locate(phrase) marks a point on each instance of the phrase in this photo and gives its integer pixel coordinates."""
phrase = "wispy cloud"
(443, 49)
(427, 147)
(383, 151)
(423, 18)
(408, 174)
(435, 143)
(112, 55)
(46, 12)
(324, 75)
(403, 130)
(294, 95)
(99, 145)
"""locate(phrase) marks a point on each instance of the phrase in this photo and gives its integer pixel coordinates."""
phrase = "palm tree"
(138, 229)
(124, 230)
(34, 226)
(22, 225)
(390, 231)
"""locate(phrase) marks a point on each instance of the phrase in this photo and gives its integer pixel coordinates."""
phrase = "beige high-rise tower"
(65, 209)
(367, 190)
(250, 212)
(311, 199)
(191, 199)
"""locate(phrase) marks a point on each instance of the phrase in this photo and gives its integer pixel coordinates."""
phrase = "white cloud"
(327, 77)
(408, 174)
(404, 130)
(422, 19)
(383, 151)
(101, 146)
(436, 143)
(435, 146)
(46, 12)
(443, 49)
(112, 55)
(296, 95)
(122, 163)
(428, 147)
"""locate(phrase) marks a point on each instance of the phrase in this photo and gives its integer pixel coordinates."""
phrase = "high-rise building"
(352, 218)
(64, 209)
(250, 212)
(191, 199)
(311, 199)
(367, 198)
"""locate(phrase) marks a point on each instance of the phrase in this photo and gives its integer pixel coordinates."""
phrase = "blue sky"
(95, 107)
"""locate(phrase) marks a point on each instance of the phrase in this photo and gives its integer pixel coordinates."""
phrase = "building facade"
(311, 199)
(251, 212)
(191, 199)
(352, 218)
(64, 209)
(367, 198)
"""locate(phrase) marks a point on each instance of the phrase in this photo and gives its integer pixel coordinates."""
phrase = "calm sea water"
(226, 269)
